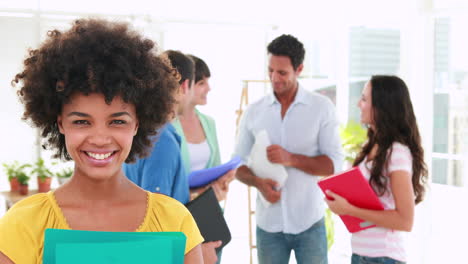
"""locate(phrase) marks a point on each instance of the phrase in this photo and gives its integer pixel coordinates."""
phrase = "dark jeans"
(309, 246)
(357, 259)
(219, 254)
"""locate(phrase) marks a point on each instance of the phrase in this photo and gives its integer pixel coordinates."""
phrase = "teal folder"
(145, 251)
(74, 246)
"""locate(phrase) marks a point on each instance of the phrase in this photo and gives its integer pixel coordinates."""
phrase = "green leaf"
(64, 173)
(15, 169)
(41, 170)
(353, 136)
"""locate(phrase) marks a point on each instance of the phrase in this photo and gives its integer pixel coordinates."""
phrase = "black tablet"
(207, 213)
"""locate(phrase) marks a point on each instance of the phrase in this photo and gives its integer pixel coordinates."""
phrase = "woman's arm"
(4, 259)
(401, 218)
(194, 256)
(209, 251)
(221, 185)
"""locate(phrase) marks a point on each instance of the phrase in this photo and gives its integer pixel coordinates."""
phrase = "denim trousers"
(219, 254)
(357, 259)
(309, 246)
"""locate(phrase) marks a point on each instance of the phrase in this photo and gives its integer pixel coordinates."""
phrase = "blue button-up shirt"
(310, 128)
(163, 171)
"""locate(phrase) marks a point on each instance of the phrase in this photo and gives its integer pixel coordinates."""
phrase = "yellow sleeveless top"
(22, 227)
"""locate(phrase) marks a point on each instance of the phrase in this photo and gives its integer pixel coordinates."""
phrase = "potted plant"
(13, 171)
(64, 175)
(23, 180)
(43, 174)
(353, 136)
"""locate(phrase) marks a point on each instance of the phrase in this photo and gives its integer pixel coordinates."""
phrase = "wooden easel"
(244, 101)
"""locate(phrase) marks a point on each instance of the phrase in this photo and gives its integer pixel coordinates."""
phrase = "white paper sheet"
(261, 166)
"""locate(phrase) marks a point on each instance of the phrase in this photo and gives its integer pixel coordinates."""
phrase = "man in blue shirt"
(163, 171)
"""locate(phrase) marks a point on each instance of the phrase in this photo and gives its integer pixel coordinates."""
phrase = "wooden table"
(13, 197)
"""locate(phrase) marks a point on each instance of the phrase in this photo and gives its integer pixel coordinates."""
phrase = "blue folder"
(202, 177)
(74, 246)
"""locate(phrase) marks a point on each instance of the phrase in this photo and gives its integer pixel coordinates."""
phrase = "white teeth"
(99, 156)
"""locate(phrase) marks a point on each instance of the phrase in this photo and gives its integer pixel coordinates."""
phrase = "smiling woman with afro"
(96, 56)
(98, 93)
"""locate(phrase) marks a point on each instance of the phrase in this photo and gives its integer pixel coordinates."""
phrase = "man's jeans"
(357, 259)
(309, 246)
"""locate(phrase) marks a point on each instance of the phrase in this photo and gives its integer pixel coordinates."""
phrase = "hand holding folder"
(203, 177)
(352, 186)
(260, 165)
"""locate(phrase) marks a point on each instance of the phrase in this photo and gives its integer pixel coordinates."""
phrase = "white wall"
(233, 53)
(17, 139)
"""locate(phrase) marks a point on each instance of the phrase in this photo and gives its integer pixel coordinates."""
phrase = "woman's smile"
(98, 135)
(99, 159)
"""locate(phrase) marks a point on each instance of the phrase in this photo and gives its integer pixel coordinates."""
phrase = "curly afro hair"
(288, 45)
(97, 56)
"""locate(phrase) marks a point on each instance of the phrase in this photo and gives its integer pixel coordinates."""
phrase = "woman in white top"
(199, 146)
(392, 161)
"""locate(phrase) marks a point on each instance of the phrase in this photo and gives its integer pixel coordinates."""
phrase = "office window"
(372, 51)
(450, 127)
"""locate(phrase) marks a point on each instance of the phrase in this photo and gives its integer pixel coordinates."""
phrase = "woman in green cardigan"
(198, 132)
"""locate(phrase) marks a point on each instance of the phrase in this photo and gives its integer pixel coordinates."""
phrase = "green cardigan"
(209, 127)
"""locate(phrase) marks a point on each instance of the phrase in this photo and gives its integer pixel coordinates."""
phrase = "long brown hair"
(394, 121)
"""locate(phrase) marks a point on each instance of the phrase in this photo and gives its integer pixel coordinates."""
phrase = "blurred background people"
(200, 148)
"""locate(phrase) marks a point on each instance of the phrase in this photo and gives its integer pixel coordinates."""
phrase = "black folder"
(207, 213)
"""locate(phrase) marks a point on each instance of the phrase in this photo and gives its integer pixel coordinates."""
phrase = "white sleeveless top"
(199, 155)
